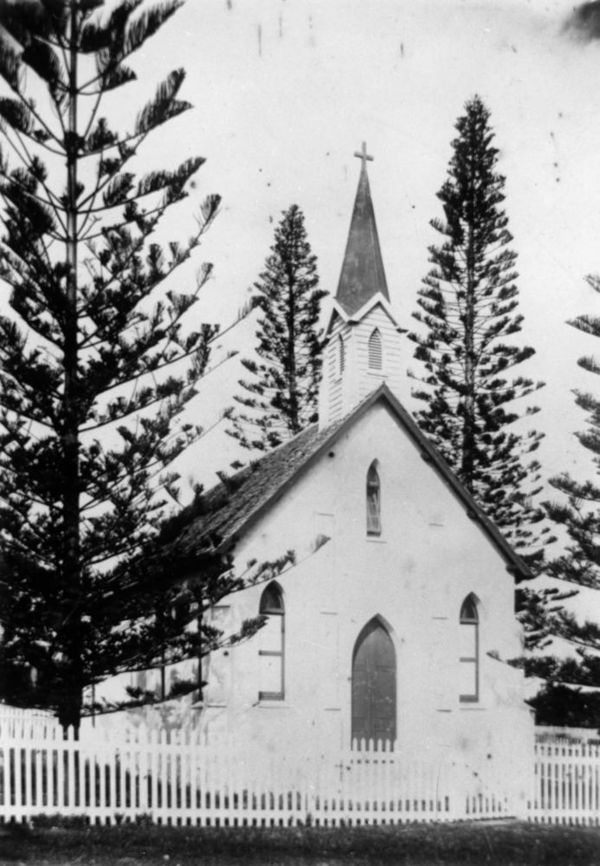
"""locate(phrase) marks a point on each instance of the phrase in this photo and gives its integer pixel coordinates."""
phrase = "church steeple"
(362, 275)
(363, 347)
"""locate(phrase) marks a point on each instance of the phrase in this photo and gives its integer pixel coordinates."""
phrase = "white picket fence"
(178, 780)
(567, 783)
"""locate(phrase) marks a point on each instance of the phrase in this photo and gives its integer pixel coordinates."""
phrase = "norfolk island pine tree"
(468, 307)
(281, 398)
(577, 516)
(87, 562)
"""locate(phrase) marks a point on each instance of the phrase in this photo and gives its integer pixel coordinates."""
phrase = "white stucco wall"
(429, 557)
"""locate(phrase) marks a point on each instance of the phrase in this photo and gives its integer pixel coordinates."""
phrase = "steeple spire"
(363, 346)
(362, 274)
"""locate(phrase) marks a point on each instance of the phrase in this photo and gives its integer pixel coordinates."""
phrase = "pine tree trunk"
(292, 392)
(468, 444)
(69, 712)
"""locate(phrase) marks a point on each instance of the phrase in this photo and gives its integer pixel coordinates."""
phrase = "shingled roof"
(227, 510)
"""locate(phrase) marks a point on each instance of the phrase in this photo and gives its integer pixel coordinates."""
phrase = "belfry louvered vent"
(375, 351)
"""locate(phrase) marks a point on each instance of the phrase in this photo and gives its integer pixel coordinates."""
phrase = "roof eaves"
(474, 511)
(270, 500)
(336, 310)
(377, 300)
(226, 524)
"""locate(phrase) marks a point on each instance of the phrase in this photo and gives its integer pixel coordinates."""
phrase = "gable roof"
(362, 275)
(232, 506)
(227, 509)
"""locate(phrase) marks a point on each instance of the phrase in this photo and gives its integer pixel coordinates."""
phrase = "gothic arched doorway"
(374, 684)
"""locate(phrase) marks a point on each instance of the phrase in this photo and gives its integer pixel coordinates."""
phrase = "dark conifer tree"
(281, 397)
(578, 516)
(93, 372)
(468, 307)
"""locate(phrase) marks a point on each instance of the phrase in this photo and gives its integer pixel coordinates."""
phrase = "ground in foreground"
(506, 844)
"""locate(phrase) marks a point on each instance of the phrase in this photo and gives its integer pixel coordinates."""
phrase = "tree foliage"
(96, 362)
(281, 397)
(468, 309)
(577, 515)
(559, 705)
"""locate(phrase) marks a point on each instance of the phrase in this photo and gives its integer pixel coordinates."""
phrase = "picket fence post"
(178, 778)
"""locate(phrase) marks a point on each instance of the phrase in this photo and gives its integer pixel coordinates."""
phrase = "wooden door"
(374, 684)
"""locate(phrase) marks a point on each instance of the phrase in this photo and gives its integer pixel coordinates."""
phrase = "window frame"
(471, 619)
(375, 335)
(340, 359)
(278, 611)
(373, 483)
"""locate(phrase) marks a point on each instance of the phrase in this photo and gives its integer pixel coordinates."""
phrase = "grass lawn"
(130, 845)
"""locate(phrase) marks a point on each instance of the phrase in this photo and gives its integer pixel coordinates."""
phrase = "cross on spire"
(363, 154)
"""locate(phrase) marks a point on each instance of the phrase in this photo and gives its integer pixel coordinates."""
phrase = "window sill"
(376, 539)
(469, 707)
(270, 704)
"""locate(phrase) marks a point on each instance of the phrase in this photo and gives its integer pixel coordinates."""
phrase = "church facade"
(396, 621)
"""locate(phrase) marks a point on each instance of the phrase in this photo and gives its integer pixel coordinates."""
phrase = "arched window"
(375, 351)
(271, 644)
(341, 357)
(374, 684)
(373, 501)
(469, 650)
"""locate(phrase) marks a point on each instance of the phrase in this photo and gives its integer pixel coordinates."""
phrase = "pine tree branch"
(157, 212)
(211, 210)
(14, 182)
(129, 410)
(24, 416)
(29, 105)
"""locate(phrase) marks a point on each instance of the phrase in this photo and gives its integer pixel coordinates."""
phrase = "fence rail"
(178, 780)
(567, 784)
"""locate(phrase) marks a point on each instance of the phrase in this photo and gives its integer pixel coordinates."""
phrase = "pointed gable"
(223, 516)
(362, 276)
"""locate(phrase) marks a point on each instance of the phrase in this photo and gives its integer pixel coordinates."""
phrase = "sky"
(284, 93)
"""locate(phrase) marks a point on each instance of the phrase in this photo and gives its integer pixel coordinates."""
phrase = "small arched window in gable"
(373, 501)
(341, 357)
(469, 651)
(271, 641)
(375, 351)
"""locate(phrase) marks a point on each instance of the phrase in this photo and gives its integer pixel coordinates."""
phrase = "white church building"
(399, 627)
